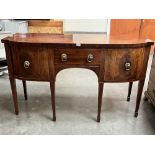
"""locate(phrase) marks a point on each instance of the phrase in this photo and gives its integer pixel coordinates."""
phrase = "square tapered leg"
(14, 95)
(52, 87)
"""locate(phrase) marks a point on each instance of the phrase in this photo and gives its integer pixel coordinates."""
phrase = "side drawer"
(77, 57)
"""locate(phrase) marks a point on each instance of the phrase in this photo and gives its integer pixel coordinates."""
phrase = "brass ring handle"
(127, 66)
(26, 64)
(63, 57)
(90, 58)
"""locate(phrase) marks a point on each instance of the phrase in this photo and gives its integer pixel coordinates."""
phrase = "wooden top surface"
(76, 39)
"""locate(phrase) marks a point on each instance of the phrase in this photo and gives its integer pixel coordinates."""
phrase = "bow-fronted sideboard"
(39, 57)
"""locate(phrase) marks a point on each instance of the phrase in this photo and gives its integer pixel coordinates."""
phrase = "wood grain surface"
(38, 57)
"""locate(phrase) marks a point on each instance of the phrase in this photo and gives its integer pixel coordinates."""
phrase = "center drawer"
(77, 56)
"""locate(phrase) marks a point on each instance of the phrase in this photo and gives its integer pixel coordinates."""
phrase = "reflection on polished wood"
(39, 57)
(73, 39)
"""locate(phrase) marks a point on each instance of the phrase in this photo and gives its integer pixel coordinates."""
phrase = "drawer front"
(31, 62)
(124, 64)
(84, 57)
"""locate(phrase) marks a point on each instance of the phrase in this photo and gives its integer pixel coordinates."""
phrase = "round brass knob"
(26, 64)
(63, 57)
(90, 58)
(127, 66)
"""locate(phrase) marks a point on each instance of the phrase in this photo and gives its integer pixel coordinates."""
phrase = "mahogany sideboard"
(39, 57)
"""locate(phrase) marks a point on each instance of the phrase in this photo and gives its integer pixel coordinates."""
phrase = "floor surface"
(76, 107)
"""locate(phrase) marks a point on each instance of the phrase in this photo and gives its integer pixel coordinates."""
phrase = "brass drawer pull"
(63, 57)
(90, 58)
(127, 66)
(26, 64)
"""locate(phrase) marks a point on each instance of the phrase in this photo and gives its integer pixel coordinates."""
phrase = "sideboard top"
(75, 39)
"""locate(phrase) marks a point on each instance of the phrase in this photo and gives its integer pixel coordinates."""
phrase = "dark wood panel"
(38, 62)
(115, 60)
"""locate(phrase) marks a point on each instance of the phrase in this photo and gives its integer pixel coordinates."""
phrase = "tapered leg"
(25, 89)
(52, 86)
(139, 94)
(129, 91)
(100, 92)
(14, 94)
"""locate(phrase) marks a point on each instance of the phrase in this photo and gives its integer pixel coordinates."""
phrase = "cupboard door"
(31, 62)
(122, 65)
